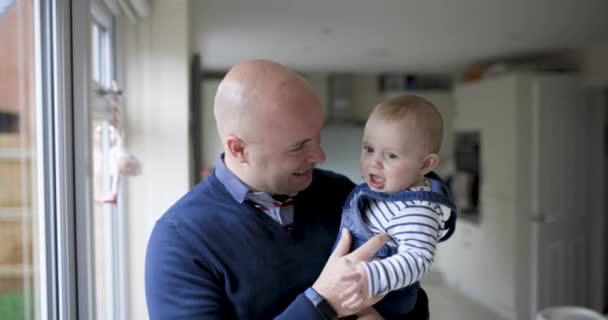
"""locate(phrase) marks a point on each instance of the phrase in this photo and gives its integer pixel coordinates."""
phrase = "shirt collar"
(237, 189)
(231, 182)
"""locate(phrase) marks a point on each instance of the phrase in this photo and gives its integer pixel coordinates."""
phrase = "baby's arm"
(415, 228)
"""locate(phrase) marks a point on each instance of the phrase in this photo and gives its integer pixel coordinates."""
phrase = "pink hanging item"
(122, 162)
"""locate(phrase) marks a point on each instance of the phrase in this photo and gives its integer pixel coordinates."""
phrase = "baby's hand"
(357, 293)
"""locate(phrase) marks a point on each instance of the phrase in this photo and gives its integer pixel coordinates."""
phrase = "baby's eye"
(390, 155)
(368, 149)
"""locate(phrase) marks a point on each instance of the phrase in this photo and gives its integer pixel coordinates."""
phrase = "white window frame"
(114, 255)
(61, 53)
(63, 156)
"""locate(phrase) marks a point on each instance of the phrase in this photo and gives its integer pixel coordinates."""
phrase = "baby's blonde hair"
(421, 115)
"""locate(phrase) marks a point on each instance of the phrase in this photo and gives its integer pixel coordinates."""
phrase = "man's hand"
(355, 296)
(333, 280)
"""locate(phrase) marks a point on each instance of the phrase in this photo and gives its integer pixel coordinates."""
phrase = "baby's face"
(392, 156)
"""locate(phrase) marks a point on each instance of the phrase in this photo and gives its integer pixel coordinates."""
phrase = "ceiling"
(382, 35)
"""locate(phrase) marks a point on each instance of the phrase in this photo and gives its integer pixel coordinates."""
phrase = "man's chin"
(300, 183)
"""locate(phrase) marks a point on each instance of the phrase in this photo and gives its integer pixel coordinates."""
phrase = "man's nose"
(317, 154)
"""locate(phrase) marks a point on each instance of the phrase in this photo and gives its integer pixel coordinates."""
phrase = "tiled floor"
(447, 303)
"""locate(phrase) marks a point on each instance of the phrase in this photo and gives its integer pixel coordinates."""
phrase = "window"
(19, 212)
(107, 216)
(101, 50)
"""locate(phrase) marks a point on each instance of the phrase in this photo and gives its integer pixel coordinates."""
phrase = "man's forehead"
(289, 135)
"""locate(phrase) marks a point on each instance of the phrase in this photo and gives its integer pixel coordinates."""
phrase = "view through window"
(18, 213)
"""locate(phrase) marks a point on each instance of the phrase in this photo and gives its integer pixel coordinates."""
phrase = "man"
(227, 249)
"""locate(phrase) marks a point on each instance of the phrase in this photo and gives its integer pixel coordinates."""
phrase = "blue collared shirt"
(240, 192)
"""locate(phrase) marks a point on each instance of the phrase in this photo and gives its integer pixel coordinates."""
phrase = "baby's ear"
(429, 163)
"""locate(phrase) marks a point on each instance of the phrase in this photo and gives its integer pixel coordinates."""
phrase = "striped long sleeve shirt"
(415, 228)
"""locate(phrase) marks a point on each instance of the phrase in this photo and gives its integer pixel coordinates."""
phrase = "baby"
(401, 197)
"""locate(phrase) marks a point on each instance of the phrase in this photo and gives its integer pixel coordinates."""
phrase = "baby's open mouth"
(376, 181)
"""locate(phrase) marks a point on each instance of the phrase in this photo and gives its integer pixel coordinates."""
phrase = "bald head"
(253, 90)
(269, 120)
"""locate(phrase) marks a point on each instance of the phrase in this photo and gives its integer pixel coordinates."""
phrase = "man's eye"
(297, 148)
(390, 155)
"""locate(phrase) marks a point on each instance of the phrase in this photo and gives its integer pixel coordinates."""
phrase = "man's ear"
(429, 163)
(236, 147)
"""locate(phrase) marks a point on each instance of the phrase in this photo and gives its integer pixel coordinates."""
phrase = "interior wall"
(480, 258)
(156, 55)
(211, 144)
(594, 64)
(365, 95)
(342, 145)
(319, 83)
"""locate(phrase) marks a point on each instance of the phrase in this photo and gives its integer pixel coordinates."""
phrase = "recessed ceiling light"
(380, 52)
(514, 36)
(327, 30)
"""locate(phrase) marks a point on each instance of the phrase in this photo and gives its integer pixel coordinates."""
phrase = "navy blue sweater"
(210, 257)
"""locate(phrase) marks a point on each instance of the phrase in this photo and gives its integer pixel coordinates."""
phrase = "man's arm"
(179, 284)
(331, 282)
(303, 308)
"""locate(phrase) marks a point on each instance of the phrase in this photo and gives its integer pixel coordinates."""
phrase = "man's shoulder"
(200, 203)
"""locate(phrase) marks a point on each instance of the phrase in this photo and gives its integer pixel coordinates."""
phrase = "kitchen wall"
(156, 61)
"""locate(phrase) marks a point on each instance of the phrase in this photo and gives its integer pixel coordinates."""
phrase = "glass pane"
(18, 212)
(95, 53)
(103, 214)
(107, 218)
(100, 54)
